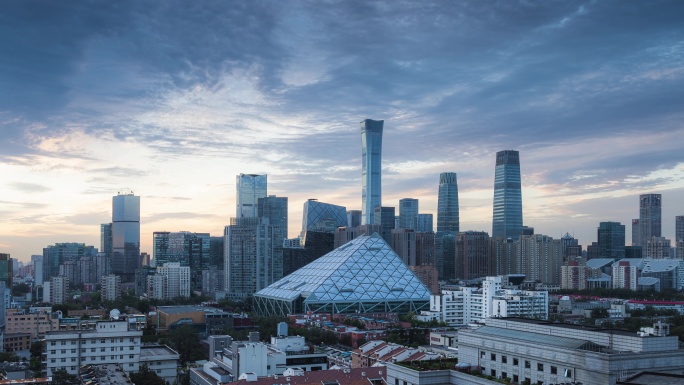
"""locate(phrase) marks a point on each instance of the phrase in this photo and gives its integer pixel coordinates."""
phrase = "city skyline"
(174, 101)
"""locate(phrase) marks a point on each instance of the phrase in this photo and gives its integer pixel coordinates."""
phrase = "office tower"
(447, 203)
(106, 239)
(473, 256)
(272, 211)
(353, 218)
(250, 187)
(425, 248)
(384, 216)
(6, 271)
(371, 185)
(59, 253)
(408, 211)
(216, 252)
(403, 242)
(508, 216)
(650, 218)
(540, 258)
(188, 249)
(611, 240)
(424, 223)
(679, 236)
(248, 258)
(125, 235)
(325, 217)
(504, 256)
(571, 247)
(445, 255)
(636, 233)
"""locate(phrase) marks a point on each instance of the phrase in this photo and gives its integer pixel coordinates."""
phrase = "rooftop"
(151, 351)
(357, 376)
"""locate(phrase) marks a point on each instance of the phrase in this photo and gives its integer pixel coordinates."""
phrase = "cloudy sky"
(173, 99)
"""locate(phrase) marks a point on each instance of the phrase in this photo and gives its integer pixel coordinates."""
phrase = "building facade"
(323, 217)
(250, 187)
(371, 173)
(508, 215)
(249, 264)
(125, 256)
(447, 203)
(408, 213)
(650, 218)
(611, 240)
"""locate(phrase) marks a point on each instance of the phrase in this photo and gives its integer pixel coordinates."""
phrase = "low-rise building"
(16, 342)
(209, 320)
(160, 359)
(36, 321)
(375, 353)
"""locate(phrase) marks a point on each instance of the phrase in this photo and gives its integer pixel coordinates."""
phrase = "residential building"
(473, 255)
(110, 287)
(371, 169)
(625, 275)
(250, 187)
(508, 214)
(536, 351)
(425, 249)
(658, 248)
(379, 353)
(109, 342)
(574, 276)
(169, 281)
(16, 342)
(161, 360)
(540, 259)
(347, 234)
(125, 256)
(36, 321)
(249, 264)
(403, 242)
(59, 253)
(611, 240)
(650, 218)
(504, 256)
(184, 247)
(59, 290)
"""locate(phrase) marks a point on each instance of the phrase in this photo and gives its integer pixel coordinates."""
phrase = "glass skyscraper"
(447, 203)
(371, 186)
(611, 240)
(508, 216)
(325, 217)
(650, 218)
(408, 213)
(125, 235)
(250, 187)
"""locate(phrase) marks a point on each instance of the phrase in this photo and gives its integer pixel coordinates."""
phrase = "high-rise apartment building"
(371, 183)
(650, 218)
(6, 271)
(473, 256)
(250, 187)
(611, 240)
(125, 235)
(408, 213)
(249, 265)
(188, 249)
(540, 258)
(508, 215)
(323, 217)
(110, 287)
(447, 203)
(106, 239)
(658, 248)
(679, 236)
(272, 211)
(636, 233)
(60, 253)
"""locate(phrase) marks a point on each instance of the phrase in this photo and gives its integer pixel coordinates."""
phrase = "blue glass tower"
(507, 218)
(250, 187)
(447, 203)
(371, 193)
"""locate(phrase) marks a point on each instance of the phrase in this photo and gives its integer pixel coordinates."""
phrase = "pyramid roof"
(365, 269)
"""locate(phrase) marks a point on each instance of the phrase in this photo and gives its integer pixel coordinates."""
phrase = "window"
(482, 354)
(52, 360)
(131, 340)
(130, 356)
(63, 360)
(121, 357)
(113, 349)
(102, 341)
(73, 350)
(102, 358)
(527, 364)
(83, 350)
(554, 370)
(73, 359)
(504, 359)
(102, 349)
(515, 378)
(52, 351)
(92, 349)
(492, 357)
(120, 339)
(52, 343)
(504, 375)
(492, 372)
(73, 342)
(515, 363)
(63, 351)
(540, 367)
(568, 373)
(131, 364)
(130, 348)
(120, 347)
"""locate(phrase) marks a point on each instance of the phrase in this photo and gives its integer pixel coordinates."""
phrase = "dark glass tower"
(508, 217)
(611, 240)
(650, 218)
(371, 187)
(447, 203)
(125, 235)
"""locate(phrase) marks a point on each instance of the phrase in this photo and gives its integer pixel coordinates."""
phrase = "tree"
(145, 376)
(20, 289)
(599, 312)
(61, 377)
(37, 349)
(36, 367)
(186, 342)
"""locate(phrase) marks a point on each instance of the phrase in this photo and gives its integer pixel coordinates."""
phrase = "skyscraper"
(636, 233)
(125, 235)
(272, 211)
(248, 258)
(408, 211)
(650, 218)
(371, 186)
(424, 223)
(384, 216)
(508, 217)
(447, 203)
(611, 240)
(679, 235)
(325, 217)
(250, 187)
(353, 218)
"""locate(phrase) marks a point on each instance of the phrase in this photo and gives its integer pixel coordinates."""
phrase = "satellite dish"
(114, 314)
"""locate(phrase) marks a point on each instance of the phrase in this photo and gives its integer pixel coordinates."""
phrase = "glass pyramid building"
(361, 276)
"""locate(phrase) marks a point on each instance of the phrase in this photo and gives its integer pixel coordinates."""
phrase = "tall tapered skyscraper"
(650, 218)
(371, 186)
(125, 235)
(250, 187)
(508, 217)
(447, 203)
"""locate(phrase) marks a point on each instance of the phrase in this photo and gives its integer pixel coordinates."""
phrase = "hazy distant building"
(249, 265)
(573, 276)
(184, 247)
(508, 215)
(447, 203)
(425, 249)
(272, 211)
(679, 236)
(371, 164)
(106, 245)
(408, 213)
(658, 248)
(504, 256)
(403, 242)
(325, 217)
(611, 240)
(636, 233)
(540, 259)
(59, 253)
(110, 287)
(353, 218)
(650, 217)
(445, 255)
(125, 235)
(347, 234)
(250, 187)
